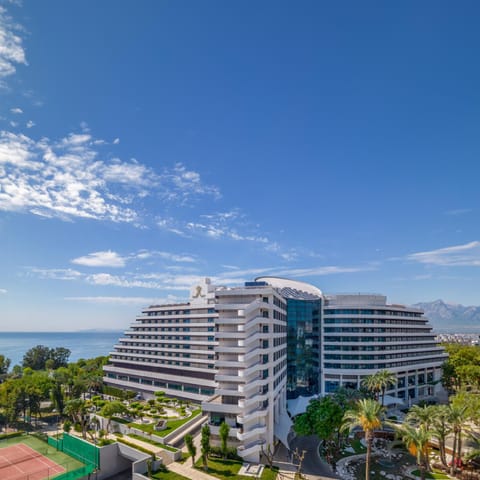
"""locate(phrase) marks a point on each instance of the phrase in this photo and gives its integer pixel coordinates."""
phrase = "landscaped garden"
(228, 469)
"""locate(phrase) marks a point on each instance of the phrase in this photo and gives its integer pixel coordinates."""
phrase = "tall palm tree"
(441, 429)
(416, 439)
(385, 379)
(371, 383)
(457, 419)
(423, 417)
(368, 415)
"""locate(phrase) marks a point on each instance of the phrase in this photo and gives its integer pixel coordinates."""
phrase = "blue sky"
(146, 144)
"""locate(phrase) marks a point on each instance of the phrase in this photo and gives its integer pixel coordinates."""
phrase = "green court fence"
(77, 448)
(75, 474)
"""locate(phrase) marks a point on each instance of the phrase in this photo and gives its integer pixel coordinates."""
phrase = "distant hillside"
(451, 318)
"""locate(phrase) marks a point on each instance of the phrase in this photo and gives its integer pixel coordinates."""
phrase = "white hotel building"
(227, 349)
(251, 368)
(362, 334)
(169, 348)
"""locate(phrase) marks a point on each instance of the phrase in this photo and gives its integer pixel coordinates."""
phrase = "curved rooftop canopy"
(293, 288)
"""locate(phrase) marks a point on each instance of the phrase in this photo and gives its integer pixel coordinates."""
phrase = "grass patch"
(120, 420)
(165, 474)
(228, 469)
(153, 442)
(171, 425)
(431, 475)
(356, 444)
(357, 447)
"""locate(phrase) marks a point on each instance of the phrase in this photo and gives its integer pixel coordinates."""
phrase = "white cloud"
(11, 49)
(30, 124)
(466, 255)
(109, 258)
(101, 259)
(321, 271)
(172, 257)
(106, 279)
(16, 110)
(67, 179)
(124, 300)
(3, 291)
(181, 185)
(56, 273)
(116, 141)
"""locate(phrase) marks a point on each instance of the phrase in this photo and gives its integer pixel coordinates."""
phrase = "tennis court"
(26, 457)
(20, 461)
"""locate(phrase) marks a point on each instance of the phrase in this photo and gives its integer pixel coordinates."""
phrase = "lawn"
(171, 425)
(431, 475)
(153, 442)
(356, 444)
(228, 469)
(166, 474)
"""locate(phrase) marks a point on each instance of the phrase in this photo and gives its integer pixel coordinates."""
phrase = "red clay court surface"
(20, 462)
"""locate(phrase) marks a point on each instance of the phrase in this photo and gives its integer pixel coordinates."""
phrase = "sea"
(84, 344)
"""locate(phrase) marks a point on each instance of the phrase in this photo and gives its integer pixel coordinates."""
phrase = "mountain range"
(451, 318)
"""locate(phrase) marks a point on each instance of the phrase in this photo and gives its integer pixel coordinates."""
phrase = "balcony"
(251, 448)
(255, 414)
(258, 429)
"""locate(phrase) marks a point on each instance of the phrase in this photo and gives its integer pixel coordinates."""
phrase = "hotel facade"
(242, 351)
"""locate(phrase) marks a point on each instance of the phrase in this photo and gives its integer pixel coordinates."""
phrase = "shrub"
(3, 436)
(231, 453)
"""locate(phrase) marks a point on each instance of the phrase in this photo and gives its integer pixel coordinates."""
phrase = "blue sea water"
(81, 344)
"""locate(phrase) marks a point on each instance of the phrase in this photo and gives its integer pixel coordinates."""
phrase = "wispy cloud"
(458, 211)
(12, 52)
(68, 179)
(230, 225)
(181, 185)
(101, 259)
(56, 273)
(113, 259)
(124, 300)
(467, 254)
(3, 291)
(30, 124)
(16, 110)
(163, 281)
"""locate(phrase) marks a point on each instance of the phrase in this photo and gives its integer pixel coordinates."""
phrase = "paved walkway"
(189, 472)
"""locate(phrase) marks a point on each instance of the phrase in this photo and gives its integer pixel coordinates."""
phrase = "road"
(313, 466)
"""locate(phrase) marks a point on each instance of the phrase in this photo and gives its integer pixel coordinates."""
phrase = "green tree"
(323, 417)
(372, 384)
(423, 416)
(457, 419)
(379, 382)
(441, 429)
(77, 410)
(110, 409)
(205, 445)
(4, 366)
(416, 440)
(192, 449)
(386, 379)
(461, 368)
(223, 432)
(368, 415)
(37, 357)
